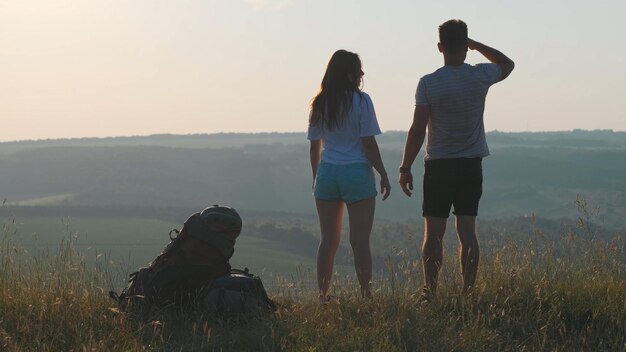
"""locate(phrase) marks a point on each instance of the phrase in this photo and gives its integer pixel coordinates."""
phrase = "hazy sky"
(77, 68)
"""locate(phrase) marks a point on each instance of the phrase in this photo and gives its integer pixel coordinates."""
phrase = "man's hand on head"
(471, 44)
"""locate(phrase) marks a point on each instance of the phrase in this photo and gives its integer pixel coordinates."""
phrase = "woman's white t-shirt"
(342, 144)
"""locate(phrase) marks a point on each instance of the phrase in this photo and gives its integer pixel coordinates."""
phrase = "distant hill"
(527, 173)
(217, 140)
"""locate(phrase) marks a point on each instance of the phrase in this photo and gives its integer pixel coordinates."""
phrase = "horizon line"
(53, 139)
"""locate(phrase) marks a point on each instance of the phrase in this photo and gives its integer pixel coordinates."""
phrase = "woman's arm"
(315, 151)
(373, 155)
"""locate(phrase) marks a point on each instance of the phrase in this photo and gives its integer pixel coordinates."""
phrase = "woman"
(342, 126)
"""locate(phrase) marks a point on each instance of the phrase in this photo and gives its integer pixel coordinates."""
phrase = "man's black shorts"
(448, 182)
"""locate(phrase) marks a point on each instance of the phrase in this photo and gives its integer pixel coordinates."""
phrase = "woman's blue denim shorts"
(349, 182)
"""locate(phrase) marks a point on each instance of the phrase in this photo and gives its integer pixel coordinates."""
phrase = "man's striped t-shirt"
(456, 96)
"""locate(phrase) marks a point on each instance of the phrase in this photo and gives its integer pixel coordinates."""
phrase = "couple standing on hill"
(342, 130)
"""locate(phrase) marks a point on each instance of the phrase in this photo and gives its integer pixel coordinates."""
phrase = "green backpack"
(197, 255)
(237, 296)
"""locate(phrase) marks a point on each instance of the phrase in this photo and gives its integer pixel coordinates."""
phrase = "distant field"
(527, 173)
(128, 243)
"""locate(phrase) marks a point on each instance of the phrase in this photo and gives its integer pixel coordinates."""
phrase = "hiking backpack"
(197, 255)
(238, 296)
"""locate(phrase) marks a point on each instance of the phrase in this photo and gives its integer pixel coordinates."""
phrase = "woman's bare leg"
(361, 216)
(330, 216)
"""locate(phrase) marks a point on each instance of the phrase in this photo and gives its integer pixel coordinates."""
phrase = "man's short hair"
(453, 36)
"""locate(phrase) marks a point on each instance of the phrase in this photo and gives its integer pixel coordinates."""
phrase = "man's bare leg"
(469, 252)
(432, 253)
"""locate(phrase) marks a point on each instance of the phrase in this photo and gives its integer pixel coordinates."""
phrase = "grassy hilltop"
(78, 215)
(563, 295)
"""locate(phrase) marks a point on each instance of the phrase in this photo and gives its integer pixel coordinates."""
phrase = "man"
(451, 102)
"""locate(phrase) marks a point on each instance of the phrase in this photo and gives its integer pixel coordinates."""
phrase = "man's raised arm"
(506, 65)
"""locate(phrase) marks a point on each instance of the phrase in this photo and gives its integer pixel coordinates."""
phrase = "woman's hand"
(385, 186)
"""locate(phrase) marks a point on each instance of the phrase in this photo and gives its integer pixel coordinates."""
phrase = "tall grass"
(534, 295)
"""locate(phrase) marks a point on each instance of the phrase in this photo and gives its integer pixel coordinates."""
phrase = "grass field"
(567, 295)
(112, 239)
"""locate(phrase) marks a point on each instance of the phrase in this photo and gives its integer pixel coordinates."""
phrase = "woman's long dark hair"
(334, 99)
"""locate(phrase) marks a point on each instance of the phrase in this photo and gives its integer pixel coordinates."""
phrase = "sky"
(98, 68)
